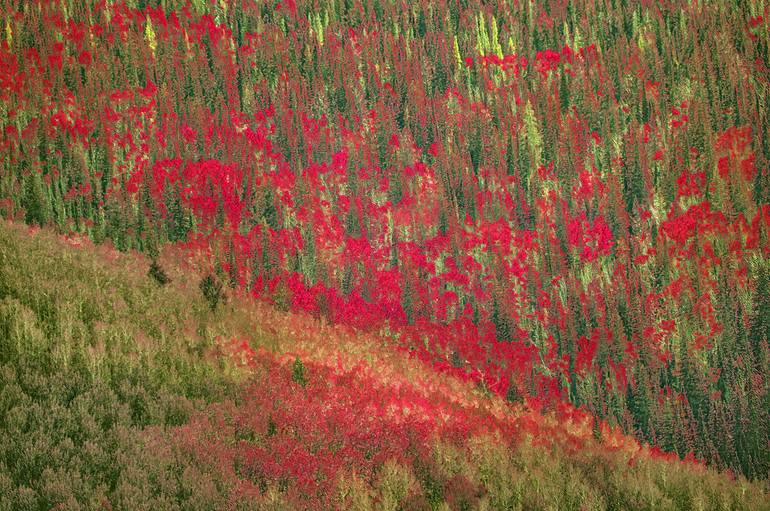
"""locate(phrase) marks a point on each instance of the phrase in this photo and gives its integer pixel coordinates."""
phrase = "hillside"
(120, 393)
(557, 208)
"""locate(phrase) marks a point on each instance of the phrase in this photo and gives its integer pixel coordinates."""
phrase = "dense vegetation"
(560, 201)
(111, 402)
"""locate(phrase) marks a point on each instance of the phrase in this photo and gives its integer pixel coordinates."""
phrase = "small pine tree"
(513, 395)
(35, 204)
(502, 329)
(212, 290)
(759, 326)
(298, 373)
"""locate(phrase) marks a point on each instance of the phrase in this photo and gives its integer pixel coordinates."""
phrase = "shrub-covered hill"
(563, 200)
(117, 392)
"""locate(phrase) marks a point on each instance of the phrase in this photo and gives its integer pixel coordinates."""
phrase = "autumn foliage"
(556, 202)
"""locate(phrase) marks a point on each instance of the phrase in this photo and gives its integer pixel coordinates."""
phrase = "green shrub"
(158, 274)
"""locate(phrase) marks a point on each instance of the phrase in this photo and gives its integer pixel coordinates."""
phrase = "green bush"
(158, 274)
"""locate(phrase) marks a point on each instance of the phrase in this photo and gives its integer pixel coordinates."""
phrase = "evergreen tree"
(759, 327)
(37, 210)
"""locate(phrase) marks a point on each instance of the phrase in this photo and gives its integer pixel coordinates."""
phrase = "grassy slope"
(116, 393)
